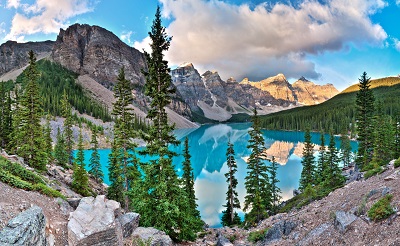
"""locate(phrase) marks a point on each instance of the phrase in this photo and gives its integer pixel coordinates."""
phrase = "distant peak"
(186, 64)
(303, 79)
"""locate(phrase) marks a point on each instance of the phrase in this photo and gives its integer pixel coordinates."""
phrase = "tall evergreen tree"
(345, 149)
(230, 216)
(60, 153)
(80, 180)
(15, 140)
(333, 174)
(165, 201)
(396, 149)
(5, 116)
(188, 180)
(47, 139)
(321, 162)
(94, 162)
(308, 171)
(68, 122)
(275, 190)
(257, 184)
(29, 132)
(365, 112)
(124, 134)
(115, 190)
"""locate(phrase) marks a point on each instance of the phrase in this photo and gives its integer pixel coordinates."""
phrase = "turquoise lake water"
(208, 148)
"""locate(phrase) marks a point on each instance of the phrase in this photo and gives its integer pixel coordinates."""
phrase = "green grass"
(373, 172)
(381, 209)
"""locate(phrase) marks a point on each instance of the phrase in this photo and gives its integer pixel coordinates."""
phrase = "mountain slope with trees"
(339, 112)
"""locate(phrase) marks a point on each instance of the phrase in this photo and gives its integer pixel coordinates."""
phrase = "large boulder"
(94, 223)
(278, 230)
(27, 229)
(153, 236)
(129, 222)
(343, 220)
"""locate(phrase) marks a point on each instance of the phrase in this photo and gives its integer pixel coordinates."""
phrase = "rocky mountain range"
(97, 55)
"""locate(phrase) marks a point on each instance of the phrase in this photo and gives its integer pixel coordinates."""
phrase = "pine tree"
(321, 163)
(396, 149)
(14, 136)
(80, 180)
(116, 188)
(308, 171)
(60, 154)
(333, 174)
(365, 110)
(188, 180)
(94, 162)
(345, 149)
(163, 202)
(257, 184)
(68, 122)
(29, 132)
(47, 137)
(230, 216)
(275, 190)
(124, 134)
(5, 116)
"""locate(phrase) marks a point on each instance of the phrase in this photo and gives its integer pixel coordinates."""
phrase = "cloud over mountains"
(239, 40)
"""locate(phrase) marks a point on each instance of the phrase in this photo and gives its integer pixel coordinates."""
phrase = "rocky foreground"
(338, 219)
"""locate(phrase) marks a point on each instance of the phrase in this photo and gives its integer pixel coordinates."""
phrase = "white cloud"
(398, 2)
(13, 3)
(45, 16)
(126, 37)
(396, 44)
(262, 41)
(143, 45)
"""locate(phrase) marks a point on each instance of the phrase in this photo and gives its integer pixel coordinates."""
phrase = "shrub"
(45, 190)
(256, 236)
(14, 181)
(21, 172)
(373, 172)
(361, 208)
(381, 209)
(397, 163)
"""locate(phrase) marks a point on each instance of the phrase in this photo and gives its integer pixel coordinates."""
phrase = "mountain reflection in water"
(208, 146)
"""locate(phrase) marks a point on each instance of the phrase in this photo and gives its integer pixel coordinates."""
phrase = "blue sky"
(326, 41)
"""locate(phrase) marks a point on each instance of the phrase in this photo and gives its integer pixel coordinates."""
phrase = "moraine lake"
(208, 147)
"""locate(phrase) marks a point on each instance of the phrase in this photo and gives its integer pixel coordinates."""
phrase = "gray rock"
(74, 202)
(314, 234)
(296, 192)
(278, 230)
(386, 190)
(94, 223)
(27, 229)
(65, 207)
(129, 222)
(223, 241)
(343, 220)
(156, 237)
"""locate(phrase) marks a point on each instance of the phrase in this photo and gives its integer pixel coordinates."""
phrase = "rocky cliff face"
(309, 93)
(14, 55)
(303, 91)
(216, 98)
(277, 86)
(97, 52)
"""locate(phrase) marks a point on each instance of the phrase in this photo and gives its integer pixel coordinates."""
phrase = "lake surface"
(208, 146)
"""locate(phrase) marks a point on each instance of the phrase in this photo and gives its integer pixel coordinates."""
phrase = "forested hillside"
(53, 80)
(337, 113)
